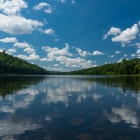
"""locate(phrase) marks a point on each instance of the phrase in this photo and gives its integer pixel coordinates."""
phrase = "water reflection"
(63, 107)
(16, 125)
(25, 98)
(124, 114)
(20, 92)
(123, 83)
(63, 88)
(11, 84)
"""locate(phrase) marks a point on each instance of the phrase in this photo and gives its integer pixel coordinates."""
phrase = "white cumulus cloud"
(127, 35)
(74, 62)
(98, 53)
(48, 10)
(117, 52)
(107, 63)
(112, 31)
(54, 69)
(133, 55)
(11, 51)
(30, 57)
(63, 56)
(17, 24)
(49, 31)
(138, 53)
(22, 45)
(40, 6)
(82, 53)
(29, 50)
(137, 44)
(111, 56)
(8, 40)
(119, 61)
(48, 7)
(43, 59)
(55, 65)
(12, 7)
(52, 52)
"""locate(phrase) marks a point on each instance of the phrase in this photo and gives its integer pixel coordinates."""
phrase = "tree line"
(13, 65)
(126, 67)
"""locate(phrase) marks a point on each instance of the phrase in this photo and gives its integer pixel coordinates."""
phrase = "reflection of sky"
(123, 114)
(14, 125)
(10, 126)
(138, 100)
(55, 89)
(59, 89)
(27, 96)
(127, 115)
(62, 89)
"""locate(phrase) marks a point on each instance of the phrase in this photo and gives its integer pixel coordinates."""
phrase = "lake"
(69, 108)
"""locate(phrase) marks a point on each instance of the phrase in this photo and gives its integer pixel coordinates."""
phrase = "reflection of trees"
(11, 84)
(125, 82)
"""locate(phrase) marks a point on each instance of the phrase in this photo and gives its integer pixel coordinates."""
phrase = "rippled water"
(69, 108)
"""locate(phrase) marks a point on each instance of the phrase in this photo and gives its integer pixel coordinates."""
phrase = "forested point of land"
(126, 67)
(13, 65)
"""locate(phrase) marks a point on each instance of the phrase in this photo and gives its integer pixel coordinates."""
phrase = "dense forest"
(126, 67)
(13, 65)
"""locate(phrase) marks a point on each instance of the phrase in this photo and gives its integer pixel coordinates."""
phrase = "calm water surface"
(69, 108)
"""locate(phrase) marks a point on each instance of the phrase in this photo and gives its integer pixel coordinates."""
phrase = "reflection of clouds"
(118, 98)
(7, 138)
(120, 89)
(26, 97)
(48, 118)
(7, 109)
(125, 114)
(14, 125)
(133, 94)
(29, 91)
(97, 96)
(55, 96)
(63, 88)
(81, 96)
(114, 118)
(138, 100)
(84, 96)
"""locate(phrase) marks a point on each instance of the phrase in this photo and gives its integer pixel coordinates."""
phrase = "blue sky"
(65, 35)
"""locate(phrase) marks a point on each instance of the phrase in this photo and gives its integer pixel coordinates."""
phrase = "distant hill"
(13, 65)
(126, 67)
